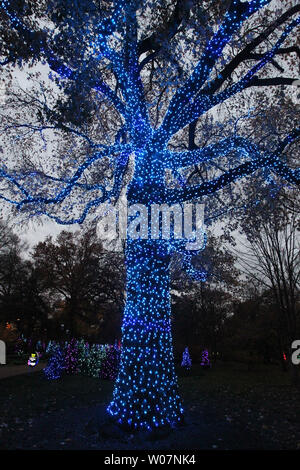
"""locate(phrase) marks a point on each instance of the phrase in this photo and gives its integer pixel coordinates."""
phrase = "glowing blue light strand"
(68, 188)
(231, 24)
(146, 394)
(57, 66)
(175, 121)
(193, 157)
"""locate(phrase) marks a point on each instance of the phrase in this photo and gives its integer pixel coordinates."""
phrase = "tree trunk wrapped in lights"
(127, 85)
(146, 392)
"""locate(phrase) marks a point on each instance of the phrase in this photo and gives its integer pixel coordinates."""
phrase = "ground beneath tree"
(226, 407)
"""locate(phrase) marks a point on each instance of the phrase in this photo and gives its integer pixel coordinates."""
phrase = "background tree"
(252, 333)
(200, 308)
(273, 258)
(11, 270)
(122, 89)
(74, 269)
(21, 299)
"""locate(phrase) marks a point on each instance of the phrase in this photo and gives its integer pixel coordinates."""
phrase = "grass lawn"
(227, 407)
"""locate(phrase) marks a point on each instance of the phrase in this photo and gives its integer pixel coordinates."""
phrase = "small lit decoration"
(83, 350)
(33, 359)
(71, 357)
(284, 357)
(51, 347)
(186, 360)
(56, 365)
(111, 361)
(95, 360)
(205, 362)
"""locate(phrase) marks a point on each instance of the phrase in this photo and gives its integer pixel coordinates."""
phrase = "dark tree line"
(68, 281)
(271, 260)
(71, 281)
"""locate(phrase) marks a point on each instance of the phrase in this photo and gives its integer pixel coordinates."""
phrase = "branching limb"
(39, 45)
(109, 25)
(131, 83)
(154, 42)
(260, 160)
(247, 52)
(71, 183)
(178, 160)
(246, 81)
(93, 82)
(61, 127)
(272, 81)
(206, 101)
(78, 220)
(106, 196)
(237, 13)
(182, 195)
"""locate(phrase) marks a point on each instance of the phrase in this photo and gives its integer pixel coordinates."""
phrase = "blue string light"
(146, 391)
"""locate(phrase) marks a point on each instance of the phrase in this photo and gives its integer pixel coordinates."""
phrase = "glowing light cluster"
(205, 361)
(186, 362)
(33, 360)
(110, 361)
(56, 364)
(146, 393)
(71, 354)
